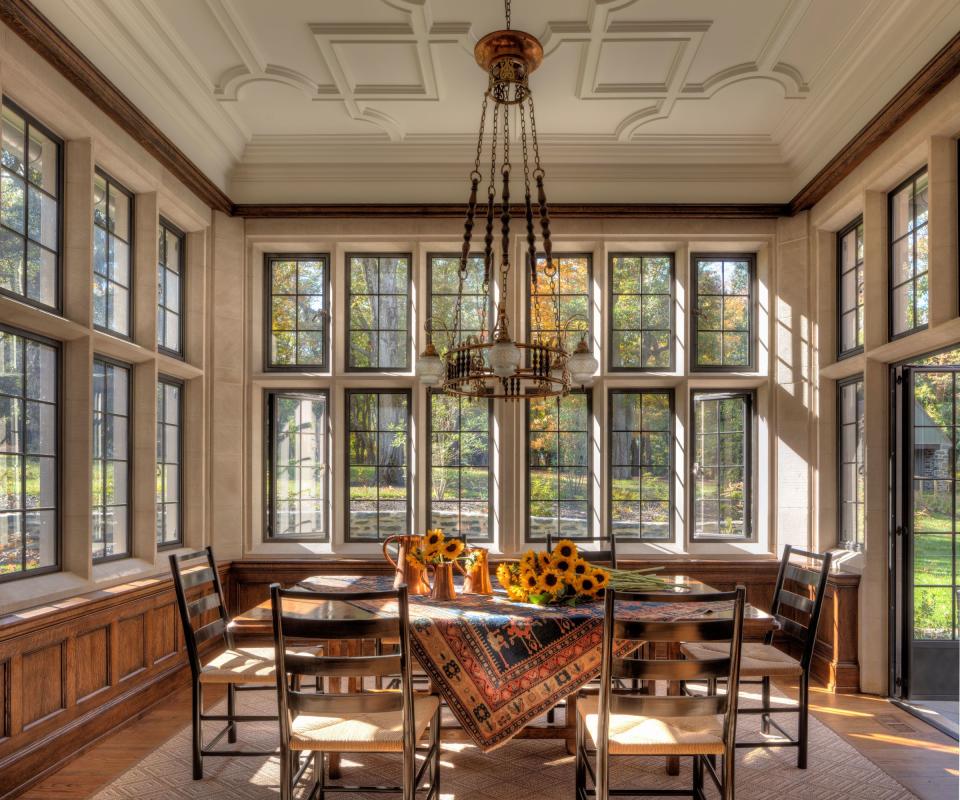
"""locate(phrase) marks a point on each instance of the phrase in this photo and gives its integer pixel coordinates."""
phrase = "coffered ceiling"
(637, 100)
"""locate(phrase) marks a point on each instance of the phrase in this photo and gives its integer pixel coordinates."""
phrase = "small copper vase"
(443, 588)
(476, 580)
(404, 571)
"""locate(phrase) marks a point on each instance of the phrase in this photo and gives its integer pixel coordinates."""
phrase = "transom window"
(378, 312)
(111, 459)
(112, 228)
(850, 424)
(28, 454)
(641, 311)
(723, 311)
(170, 289)
(30, 213)
(169, 462)
(909, 289)
(721, 472)
(378, 461)
(559, 447)
(641, 474)
(298, 441)
(460, 475)
(297, 296)
(850, 262)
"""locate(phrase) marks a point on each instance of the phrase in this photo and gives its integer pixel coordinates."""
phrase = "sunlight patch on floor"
(904, 742)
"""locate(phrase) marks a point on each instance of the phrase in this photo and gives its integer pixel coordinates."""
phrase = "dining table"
(499, 665)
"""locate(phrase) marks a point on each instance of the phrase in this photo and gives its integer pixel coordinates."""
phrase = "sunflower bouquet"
(553, 578)
(436, 549)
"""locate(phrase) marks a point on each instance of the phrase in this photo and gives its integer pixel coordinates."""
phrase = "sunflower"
(566, 549)
(562, 564)
(517, 594)
(433, 539)
(543, 559)
(528, 560)
(602, 577)
(503, 575)
(581, 567)
(587, 585)
(550, 582)
(452, 548)
(529, 580)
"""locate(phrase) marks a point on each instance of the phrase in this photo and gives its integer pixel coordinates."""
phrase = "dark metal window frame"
(268, 261)
(749, 396)
(32, 122)
(166, 380)
(350, 294)
(856, 226)
(588, 394)
(856, 545)
(431, 393)
(671, 433)
(58, 490)
(377, 390)
(270, 397)
(529, 299)
(129, 461)
(695, 366)
(431, 257)
(112, 184)
(612, 295)
(891, 243)
(168, 227)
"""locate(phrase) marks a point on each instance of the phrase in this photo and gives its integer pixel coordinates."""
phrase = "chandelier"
(495, 363)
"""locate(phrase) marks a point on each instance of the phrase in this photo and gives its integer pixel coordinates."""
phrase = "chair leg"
(765, 699)
(802, 722)
(197, 731)
(729, 760)
(232, 712)
(435, 744)
(286, 776)
(697, 778)
(378, 651)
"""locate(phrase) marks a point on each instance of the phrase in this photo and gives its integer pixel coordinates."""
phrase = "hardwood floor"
(921, 758)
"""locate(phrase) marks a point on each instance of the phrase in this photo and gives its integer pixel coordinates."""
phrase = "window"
(723, 312)
(476, 311)
(459, 475)
(559, 447)
(570, 286)
(909, 298)
(170, 289)
(850, 262)
(378, 459)
(722, 466)
(850, 423)
(641, 311)
(29, 438)
(30, 213)
(641, 474)
(169, 469)
(297, 490)
(297, 291)
(111, 459)
(378, 312)
(112, 227)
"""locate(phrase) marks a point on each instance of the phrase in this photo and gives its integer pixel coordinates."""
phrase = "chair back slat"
(802, 575)
(197, 574)
(203, 604)
(653, 706)
(803, 617)
(797, 601)
(342, 667)
(196, 577)
(792, 627)
(707, 630)
(336, 705)
(371, 628)
(605, 555)
(670, 669)
(209, 631)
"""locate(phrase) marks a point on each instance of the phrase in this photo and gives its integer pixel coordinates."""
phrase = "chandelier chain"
(506, 12)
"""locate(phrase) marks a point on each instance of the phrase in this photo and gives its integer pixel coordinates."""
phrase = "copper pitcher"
(406, 573)
(476, 579)
(443, 588)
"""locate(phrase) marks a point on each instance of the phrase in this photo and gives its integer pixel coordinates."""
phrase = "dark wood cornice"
(937, 73)
(40, 34)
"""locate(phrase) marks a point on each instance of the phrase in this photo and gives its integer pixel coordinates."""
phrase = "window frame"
(750, 431)
(429, 306)
(32, 122)
(268, 295)
(164, 380)
(167, 226)
(858, 306)
(491, 533)
(671, 466)
(349, 392)
(269, 489)
(112, 183)
(57, 566)
(752, 305)
(891, 242)
(858, 546)
(348, 295)
(127, 551)
(608, 311)
(588, 394)
(528, 296)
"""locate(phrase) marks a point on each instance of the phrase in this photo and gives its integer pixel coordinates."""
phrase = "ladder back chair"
(762, 661)
(380, 721)
(617, 722)
(214, 656)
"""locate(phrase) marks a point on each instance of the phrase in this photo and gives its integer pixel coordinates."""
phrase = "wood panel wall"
(77, 670)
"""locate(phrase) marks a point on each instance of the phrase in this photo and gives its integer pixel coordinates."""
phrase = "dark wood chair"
(763, 661)
(362, 721)
(620, 722)
(215, 658)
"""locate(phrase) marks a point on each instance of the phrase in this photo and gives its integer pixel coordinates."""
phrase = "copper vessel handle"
(386, 554)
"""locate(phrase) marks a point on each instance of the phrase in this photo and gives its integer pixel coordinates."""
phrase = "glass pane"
(933, 560)
(11, 261)
(932, 613)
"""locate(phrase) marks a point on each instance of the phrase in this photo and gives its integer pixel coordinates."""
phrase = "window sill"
(850, 562)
